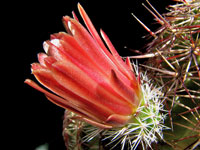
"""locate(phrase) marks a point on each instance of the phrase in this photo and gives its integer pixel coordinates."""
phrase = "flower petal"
(113, 103)
(116, 119)
(128, 63)
(93, 50)
(124, 90)
(63, 102)
(97, 124)
(91, 28)
(35, 66)
(97, 38)
(63, 88)
(71, 48)
(41, 57)
(120, 63)
(86, 41)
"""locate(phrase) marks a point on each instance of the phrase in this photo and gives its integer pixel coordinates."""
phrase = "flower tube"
(85, 77)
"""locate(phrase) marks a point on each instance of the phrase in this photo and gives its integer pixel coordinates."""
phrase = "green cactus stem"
(174, 63)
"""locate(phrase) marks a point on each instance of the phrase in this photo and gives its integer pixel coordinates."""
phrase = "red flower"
(85, 77)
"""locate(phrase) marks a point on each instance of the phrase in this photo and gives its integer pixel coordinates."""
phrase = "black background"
(31, 120)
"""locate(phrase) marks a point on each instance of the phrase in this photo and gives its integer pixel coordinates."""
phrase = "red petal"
(70, 70)
(77, 53)
(79, 111)
(92, 49)
(125, 91)
(69, 50)
(56, 50)
(41, 57)
(73, 92)
(58, 100)
(89, 45)
(128, 62)
(35, 66)
(97, 124)
(63, 102)
(113, 101)
(116, 119)
(120, 63)
(91, 89)
(49, 61)
(74, 16)
(91, 28)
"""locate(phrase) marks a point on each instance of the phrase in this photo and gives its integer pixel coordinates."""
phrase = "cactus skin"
(174, 63)
(74, 132)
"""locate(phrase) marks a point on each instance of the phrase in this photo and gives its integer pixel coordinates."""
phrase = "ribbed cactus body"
(175, 65)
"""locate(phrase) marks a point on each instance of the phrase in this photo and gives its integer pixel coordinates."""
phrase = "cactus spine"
(174, 63)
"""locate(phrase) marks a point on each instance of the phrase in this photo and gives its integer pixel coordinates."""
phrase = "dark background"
(33, 120)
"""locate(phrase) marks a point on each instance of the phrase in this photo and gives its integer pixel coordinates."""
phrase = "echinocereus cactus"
(174, 63)
(109, 103)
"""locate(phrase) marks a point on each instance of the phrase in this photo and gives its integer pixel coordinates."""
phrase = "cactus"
(165, 89)
(174, 63)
